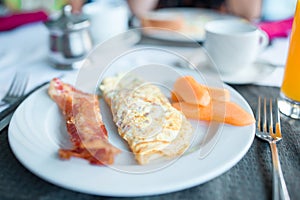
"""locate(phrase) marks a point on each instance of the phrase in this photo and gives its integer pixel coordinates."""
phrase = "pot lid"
(68, 21)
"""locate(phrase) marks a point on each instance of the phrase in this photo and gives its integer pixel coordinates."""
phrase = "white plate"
(37, 131)
(195, 18)
(251, 74)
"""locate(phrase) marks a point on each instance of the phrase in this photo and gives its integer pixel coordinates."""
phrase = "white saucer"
(251, 74)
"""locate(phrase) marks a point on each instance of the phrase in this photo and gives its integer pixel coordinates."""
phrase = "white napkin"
(274, 79)
(275, 54)
(25, 50)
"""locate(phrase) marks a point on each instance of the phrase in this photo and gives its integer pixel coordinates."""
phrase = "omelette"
(145, 118)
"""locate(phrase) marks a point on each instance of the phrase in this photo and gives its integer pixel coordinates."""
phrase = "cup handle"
(263, 40)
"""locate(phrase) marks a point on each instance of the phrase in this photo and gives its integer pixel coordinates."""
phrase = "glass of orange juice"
(289, 102)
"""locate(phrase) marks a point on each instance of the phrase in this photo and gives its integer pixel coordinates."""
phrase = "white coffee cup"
(108, 18)
(233, 44)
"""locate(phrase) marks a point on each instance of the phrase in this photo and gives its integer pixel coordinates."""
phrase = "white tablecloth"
(26, 49)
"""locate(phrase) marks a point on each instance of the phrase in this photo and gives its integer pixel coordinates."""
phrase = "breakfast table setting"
(229, 163)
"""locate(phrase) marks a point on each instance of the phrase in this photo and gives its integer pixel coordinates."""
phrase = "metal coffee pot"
(70, 39)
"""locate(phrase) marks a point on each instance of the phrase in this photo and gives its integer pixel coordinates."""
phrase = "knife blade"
(5, 121)
(6, 114)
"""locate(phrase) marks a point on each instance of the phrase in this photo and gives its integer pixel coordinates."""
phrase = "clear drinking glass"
(289, 102)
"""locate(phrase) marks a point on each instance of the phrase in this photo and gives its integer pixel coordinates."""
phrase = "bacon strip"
(84, 124)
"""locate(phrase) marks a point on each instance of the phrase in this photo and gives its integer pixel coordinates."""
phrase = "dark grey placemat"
(251, 178)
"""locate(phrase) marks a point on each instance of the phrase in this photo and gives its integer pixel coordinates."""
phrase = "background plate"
(195, 18)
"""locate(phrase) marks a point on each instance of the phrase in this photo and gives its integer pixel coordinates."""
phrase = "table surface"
(250, 178)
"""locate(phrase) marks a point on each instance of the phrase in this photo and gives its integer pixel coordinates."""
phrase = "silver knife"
(6, 114)
(5, 121)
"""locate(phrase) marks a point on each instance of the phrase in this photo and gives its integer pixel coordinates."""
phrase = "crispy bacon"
(84, 124)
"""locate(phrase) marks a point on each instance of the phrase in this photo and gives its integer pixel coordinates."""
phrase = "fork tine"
(23, 86)
(18, 90)
(271, 129)
(265, 116)
(17, 84)
(20, 86)
(258, 114)
(12, 86)
(277, 120)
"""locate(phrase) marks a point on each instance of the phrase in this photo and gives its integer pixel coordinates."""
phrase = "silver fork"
(268, 129)
(16, 89)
